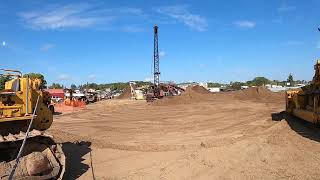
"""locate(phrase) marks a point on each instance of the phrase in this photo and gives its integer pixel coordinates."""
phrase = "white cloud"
(63, 77)
(286, 8)
(47, 47)
(181, 13)
(162, 53)
(245, 24)
(60, 17)
(74, 15)
(3, 43)
(92, 76)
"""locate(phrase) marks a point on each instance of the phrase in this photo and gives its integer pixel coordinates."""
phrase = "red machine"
(158, 92)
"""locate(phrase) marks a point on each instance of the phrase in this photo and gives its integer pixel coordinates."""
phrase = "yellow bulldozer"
(305, 103)
(26, 151)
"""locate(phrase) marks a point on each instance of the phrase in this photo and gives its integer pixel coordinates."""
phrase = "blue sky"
(205, 40)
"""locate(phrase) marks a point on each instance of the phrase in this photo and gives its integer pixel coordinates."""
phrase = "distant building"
(203, 84)
(185, 85)
(276, 86)
(300, 85)
(91, 90)
(214, 89)
(58, 93)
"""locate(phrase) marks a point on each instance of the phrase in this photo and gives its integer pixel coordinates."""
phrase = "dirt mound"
(199, 94)
(126, 94)
(191, 95)
(133, 140)
(258, 94)
(197, 89)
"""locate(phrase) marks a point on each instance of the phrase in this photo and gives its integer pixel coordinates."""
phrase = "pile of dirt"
(133, 140)
(258, 94)
(191, 95)
(197, 89)
(126, 94)
(200, 94)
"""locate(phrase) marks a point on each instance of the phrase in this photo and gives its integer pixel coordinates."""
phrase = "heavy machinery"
(154, 91)
(158, 92)
(136, 94)
(305, 103)
(23, 102)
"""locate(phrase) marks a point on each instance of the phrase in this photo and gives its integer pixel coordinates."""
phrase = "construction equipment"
(154, 91)
(157, 90)
(22, 102)
(305, 103)
(136, 94)
(174, 90)
(156, 66)
(132, 90)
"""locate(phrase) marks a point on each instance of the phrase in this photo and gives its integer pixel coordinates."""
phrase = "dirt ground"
(219, 136)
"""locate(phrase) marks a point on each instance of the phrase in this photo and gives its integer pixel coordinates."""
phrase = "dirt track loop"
(221, 137)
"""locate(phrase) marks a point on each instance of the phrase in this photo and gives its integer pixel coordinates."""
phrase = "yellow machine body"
(18, 100)
(17, 103)
(305, 103)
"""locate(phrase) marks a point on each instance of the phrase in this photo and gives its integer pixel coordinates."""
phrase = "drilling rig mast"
(156, 74)
(154, 91)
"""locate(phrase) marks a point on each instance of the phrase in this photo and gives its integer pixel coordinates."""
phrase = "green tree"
(73, 86)
(37, 76)
(112, 86)
(3, 80)
(258, 81)
(56, 86)
(290, 79)
(119, 86)
(215, 84)
(236, 85)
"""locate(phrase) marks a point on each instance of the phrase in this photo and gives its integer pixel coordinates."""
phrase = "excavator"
(136, 94)
(26, 151)
(305, 103)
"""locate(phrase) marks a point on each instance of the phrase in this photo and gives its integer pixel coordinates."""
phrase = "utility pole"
(156, 67)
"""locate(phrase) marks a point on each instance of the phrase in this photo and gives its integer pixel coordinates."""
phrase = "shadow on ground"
(74, 153)
(304, 128)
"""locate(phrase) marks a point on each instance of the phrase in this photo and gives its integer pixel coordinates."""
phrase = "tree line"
(112, 86)
(260, 81)
(4, 79)
(257, 81)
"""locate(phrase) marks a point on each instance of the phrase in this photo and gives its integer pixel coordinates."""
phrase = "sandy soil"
(223, 137)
